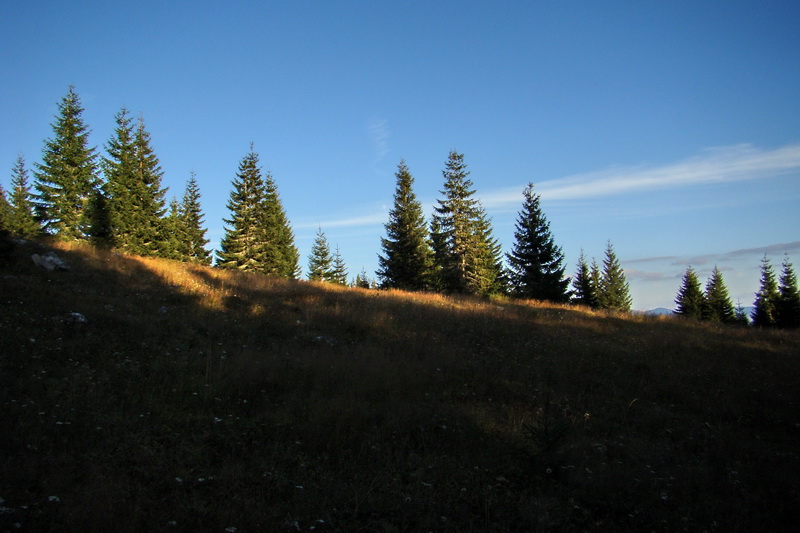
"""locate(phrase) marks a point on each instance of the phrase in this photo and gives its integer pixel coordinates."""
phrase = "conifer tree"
(362, 281)
(320, 261)
(613, 291)
(719, 307)
(190, 215)
(120, 187)
(149, 231)
(339, 273)
(282, 257)
(21, 219)
(242, 247)
(66, 178)
(536, 268)
(468, 256)
(740, 315)
(175, 243)
(5, 210)
(407, 260)
(788, 304)
(764, 308)
(691, 302)
(583, 292)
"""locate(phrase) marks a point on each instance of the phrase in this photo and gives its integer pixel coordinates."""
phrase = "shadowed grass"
(200, 399)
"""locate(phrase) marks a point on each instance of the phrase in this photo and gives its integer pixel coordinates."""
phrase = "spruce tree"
(788, 304)
(536, 268)
(120, 187)
(66, 179)
(583, 292)
(407, 260)
(242, 247)
(22, 220)
(5, 210)
(719, 307)
(339, 272)
(740, 317)
(613, 292)
(175, 243)
(362, 281)
(764, 309)
(691, 302)
(149, 232)
(320, 261)
(468, 257)
(190, 215)
(281, 255)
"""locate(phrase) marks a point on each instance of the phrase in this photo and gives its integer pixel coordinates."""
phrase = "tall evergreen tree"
(282, 257)
(788, 304)
(191, 216)
(719, 307)
(339, 273)
(175, 243)
(584, 290)
(764, 309)
(613, 291)
(691, 302)
(320, 261)
(22, 220)
(242, 247)
(151, 207)
(66, 179)
(5, 210)
(468, 256)
(536, 268)
(120, 187)
(407, 260)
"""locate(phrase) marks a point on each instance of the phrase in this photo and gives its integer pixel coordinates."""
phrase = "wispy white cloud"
(379, 134)
(772, 250)
(726, 164)
(372, 219)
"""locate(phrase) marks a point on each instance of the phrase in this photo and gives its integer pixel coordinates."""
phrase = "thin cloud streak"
(379, 133)
(769, 250)
(726, 164)
(373, 219)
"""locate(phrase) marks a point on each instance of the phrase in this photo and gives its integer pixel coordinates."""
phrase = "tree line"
(117, 201)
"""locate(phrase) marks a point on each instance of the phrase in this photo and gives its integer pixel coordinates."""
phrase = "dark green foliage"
(362, 281)
(764, 309)
(150, 209)
(788, 304)
(282, 258)
(66, 178)
(536, 268)
(339, 274)
(719, 307)
(468, 259)
(740, 317)
(5, 210)
(407, 260)
(320, 261)
(120, 188)
(584, 289)
(259, 238)
(613, 292)
(691, 301)
(193, 234)
(242, 247)
(21, 219)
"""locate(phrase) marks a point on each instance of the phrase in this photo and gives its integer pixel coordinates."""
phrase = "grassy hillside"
(196, 399)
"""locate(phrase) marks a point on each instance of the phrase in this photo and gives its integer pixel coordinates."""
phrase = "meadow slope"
(184, 398)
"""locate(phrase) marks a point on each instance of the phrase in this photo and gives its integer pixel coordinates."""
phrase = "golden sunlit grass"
(199, 399)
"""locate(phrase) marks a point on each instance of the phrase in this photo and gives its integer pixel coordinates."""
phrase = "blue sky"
(670, 128)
